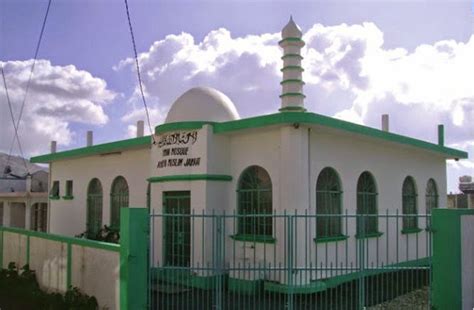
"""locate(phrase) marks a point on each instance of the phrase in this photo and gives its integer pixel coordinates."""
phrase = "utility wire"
(13, 121)
(138, 71)
(38, 44)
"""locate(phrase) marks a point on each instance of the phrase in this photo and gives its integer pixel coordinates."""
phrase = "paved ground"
(415, 300)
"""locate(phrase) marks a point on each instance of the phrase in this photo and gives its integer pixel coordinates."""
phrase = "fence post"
(447, 258)
(134, 236)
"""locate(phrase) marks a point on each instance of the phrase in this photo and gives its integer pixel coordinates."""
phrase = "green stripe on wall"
(191, 177)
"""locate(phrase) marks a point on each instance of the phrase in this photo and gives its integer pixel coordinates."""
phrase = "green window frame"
(409, 205)
(54, 192)
(367, 205)
(255, 198)
(94, 208)
(119, 198)
(69, 190)
(328, 204)
(431, 200)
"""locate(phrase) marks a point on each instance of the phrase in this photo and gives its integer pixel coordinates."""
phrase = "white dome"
(202, 104)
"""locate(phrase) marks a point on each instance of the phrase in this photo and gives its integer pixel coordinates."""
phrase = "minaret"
(292, 97)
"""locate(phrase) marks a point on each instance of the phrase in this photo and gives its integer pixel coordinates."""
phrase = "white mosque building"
(204, 159)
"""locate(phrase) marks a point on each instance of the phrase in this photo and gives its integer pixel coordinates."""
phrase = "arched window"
(409, 198)
(367, 204)
(431, 199)
(255, 197)
(94, 208)
(118, 200)
(328, 202)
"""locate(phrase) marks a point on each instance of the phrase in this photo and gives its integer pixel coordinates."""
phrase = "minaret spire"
(292, 97)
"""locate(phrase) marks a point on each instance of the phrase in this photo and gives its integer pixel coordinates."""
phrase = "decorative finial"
(292, 97)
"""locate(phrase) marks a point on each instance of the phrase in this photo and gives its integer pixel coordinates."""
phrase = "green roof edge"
(98, 149)
(303, 118)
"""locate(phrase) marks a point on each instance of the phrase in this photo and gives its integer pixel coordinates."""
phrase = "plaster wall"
(131, 164)
(97, 273)
(14, 249)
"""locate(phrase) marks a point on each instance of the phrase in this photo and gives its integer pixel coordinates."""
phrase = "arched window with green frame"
(431, 199)
(367, 221)
(255, 198)
(94, 208)
(409, 205)
(328, 204)
(118, 200)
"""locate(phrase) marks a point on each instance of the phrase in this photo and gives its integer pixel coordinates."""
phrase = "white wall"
(68, 217)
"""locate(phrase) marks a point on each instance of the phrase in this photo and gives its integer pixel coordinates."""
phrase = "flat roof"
(281, 118)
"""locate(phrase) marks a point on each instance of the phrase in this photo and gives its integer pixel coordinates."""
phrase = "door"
(177, 228)
(94, 209)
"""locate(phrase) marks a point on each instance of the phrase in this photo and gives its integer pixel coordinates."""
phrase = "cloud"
(349, 74)
(58, 96)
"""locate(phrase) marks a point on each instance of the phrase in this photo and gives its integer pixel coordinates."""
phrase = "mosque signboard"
(176, 149)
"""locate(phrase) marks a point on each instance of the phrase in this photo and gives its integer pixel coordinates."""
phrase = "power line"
(13, 121)
(138, 71)
(38, 44)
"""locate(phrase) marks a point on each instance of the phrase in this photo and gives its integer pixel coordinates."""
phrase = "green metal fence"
(220, 268)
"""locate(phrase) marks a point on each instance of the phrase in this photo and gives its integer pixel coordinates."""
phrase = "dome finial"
(291, 30)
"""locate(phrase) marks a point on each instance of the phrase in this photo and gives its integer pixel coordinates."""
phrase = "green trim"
(259, 122)
(369, 235)
(291, 39)
(292, 81)
(105, 148)
(292, 68)
(292, 56)
(332, 282)
(243, 286)
(292, 109)
(177, 276)
(292, 95)
(447, 258)
(253, 238)
(191, 177)
(1, 248)
(68, 197)
(317, 119)
(76, 241)
(27, 250)
(406, 231)
(330, 239)
(191, 125)
(69, 266)
(54, 197)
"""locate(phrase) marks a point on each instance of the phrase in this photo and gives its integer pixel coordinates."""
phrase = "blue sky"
(404, 38)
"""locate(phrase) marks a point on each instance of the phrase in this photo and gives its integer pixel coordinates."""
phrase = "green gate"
(177, 228)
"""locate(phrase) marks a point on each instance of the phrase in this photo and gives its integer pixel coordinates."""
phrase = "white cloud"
(58, 95)
(349, 74)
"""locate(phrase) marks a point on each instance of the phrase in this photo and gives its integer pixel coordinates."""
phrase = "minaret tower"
(292, 97)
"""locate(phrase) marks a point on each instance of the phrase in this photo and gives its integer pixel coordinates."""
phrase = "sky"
(411, 59)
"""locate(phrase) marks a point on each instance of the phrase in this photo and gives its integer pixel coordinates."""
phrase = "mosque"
(205, 159)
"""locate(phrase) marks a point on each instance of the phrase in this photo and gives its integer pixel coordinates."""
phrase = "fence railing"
(298, 261)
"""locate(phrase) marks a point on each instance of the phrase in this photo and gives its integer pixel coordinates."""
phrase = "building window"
(69, 190)
(1, 213)
(431, 199)
(409, 206)
(255, 198)
(328, 204)
(54, 193)
(118, 200)
(367, 222)
(39, 217)
(94, 208)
